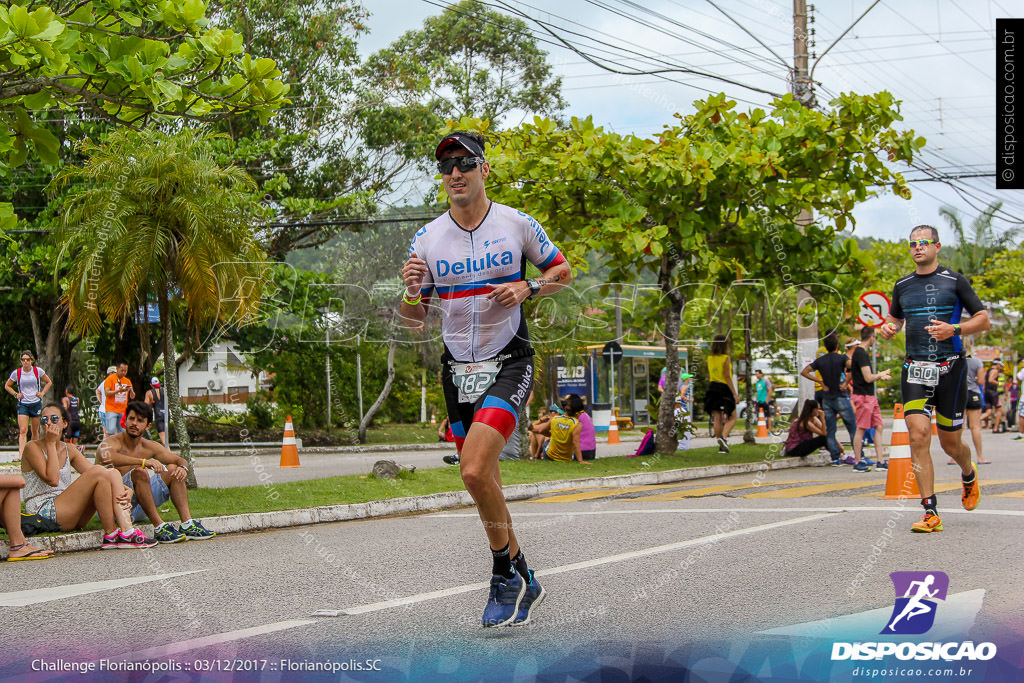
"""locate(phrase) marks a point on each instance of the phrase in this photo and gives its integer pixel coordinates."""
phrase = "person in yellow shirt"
(721, 397)
(118, 389)
(564, 431)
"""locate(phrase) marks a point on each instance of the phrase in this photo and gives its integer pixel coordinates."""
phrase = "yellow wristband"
(412, 302)
(144, 462)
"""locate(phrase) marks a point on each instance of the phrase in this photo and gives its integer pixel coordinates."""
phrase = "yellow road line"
(803, 491)
(709, 490)
(1010, 494)
(602, 493)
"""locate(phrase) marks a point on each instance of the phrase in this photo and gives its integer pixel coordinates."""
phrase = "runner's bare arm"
(413, 271)
(979, 322)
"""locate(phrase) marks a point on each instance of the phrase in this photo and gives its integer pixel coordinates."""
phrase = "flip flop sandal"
(984, 462)
(38, 554)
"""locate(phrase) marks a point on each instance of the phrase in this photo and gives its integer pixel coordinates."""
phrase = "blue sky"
(938, 56)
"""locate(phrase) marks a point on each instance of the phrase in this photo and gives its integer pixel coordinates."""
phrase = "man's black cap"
(464, 141)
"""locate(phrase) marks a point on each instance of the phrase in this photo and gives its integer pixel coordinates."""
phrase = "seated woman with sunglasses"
(53, 491)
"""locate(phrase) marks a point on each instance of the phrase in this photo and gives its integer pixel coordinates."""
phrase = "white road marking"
(37, 595)
(621, 557)
(215, 639)
(953, 618)
(753, 510)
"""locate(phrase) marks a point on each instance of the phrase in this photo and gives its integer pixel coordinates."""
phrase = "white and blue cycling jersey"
(462, 263)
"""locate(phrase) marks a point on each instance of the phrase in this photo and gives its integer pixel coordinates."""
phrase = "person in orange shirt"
(118, 390)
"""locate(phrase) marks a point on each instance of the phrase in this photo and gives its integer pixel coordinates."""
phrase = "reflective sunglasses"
(465, 164)
(921, 243)
(52, 419)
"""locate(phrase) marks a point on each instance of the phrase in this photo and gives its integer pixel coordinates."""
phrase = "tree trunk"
(748, 434)
(384, 392)
(171, 387)
(666, 439)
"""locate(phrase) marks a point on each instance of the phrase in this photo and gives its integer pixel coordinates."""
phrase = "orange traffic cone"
(900, 482)
(289, 451)
(935, 425)
(433, 420)
(762, 425)
(613, 429)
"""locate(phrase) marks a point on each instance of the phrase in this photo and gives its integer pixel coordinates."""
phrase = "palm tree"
(150, 216)
(978, 244)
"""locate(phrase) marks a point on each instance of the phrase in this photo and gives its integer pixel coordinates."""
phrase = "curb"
(278, 519)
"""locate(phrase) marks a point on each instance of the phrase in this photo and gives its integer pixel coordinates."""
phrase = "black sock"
(930, 504)
(520, 562)
(502, 562)
(968, 478)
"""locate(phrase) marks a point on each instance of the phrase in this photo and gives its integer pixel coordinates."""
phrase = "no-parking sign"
(874, 307)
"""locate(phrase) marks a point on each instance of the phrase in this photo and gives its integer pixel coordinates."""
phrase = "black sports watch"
(956, 330)
(534, 287)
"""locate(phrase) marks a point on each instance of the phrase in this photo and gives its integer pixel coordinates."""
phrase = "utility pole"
(803, 90)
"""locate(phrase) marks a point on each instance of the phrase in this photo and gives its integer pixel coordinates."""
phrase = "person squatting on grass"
(53, 492)
(131, 454)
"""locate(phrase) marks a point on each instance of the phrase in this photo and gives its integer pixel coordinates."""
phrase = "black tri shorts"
(948, 398)
(500, 404)
(973, 400)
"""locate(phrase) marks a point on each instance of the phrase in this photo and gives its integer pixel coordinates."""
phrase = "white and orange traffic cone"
(935, 425)
(433, 420)
(613, 429)
(762, 425)
(289, 450)
(900, 481)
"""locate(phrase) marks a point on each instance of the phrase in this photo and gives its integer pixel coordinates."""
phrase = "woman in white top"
(29, 385)
(53, 491)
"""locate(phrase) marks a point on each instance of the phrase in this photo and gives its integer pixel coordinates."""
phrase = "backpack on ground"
(646, 446)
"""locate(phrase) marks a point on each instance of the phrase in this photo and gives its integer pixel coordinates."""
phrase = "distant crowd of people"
(129, 479)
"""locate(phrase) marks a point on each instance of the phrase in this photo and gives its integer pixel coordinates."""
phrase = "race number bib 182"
(919, 372)
(473, 379)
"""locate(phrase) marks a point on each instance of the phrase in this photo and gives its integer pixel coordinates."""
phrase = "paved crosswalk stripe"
(706, 490)
(621, 557)
(804, 491)
(603, 493)
(37, 595)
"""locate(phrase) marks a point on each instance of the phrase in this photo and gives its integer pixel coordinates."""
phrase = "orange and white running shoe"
(927, 525)
(972, 491)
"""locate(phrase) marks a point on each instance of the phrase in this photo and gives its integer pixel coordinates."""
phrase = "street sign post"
(612, 353)
(874, 307)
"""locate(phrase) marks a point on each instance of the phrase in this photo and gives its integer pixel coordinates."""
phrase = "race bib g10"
(473, 379)
(920, 372)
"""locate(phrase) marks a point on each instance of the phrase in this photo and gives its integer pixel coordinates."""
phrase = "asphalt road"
(690, 574)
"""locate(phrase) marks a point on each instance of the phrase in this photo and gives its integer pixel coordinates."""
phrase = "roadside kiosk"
(636, 380)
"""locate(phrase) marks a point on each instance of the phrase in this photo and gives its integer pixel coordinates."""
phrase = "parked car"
(785, 399)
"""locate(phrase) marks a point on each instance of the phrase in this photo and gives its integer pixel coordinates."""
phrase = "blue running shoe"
(166, 533)
(533, 596)
(881, 465)
(503, 602)
(862, 466)
(195, 531)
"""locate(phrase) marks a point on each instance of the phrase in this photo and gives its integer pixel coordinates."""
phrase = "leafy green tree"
(122, 61)
(710, 199)
(978, 243)
(153, 217)
(999, 286)
(469, 61)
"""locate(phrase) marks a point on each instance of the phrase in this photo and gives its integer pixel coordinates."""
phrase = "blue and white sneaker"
(533, 596)
(863, 465)
(195, 531)
(503, 602)
(166, 533)
(882, 465)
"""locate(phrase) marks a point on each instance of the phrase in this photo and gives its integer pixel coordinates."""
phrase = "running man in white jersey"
(473, 258)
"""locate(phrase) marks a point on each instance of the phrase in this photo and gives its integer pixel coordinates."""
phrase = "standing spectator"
(721, 397)
(101, 402)
(74, 429)
(588, 436)
(29, 385)
(764, 394)
(1020, 406)
(865, 402)
(118, 390)
(155, 398)
(993, 396)
(808, 432)
(975, 384)
(832, 366)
